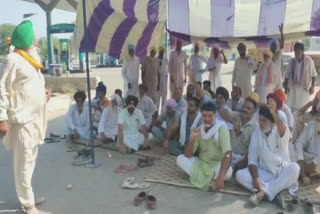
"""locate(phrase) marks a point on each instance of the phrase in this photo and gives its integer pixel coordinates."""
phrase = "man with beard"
(150, 71)
(177, 67)
(77, 120)
(132, 129)
(269, 167)
(190, 92)
(170, 116)
(23, 110)
(212, 142)
(242, 71)
(108, 125)
(181, 102)
(244, 125)
(189, 120)
(308, 149)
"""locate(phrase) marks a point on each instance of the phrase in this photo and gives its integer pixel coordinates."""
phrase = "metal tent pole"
(93, 164)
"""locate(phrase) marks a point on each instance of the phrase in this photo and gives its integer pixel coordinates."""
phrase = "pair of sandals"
(151, 201)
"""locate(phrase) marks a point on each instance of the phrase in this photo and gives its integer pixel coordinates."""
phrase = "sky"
(13, 11)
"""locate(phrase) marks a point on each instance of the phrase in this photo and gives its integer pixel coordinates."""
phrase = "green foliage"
(43, 48)
(306, 43)
(5, 31)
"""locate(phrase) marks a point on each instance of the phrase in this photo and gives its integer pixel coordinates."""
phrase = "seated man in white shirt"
(308, 149)
(146, 105)
(190, 92)
(285, 108)
(132, 130)
(269, 168)
(236, 101)
(108, 125)
(77, 120)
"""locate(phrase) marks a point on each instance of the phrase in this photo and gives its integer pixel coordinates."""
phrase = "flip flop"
(125, 169)
(129, 184)
(151, 202)
(142, 196)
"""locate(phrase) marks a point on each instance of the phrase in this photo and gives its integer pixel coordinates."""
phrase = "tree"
(43, 48)
(306, 43)
(5, 31)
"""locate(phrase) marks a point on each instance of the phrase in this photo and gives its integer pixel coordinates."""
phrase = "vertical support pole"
(49, 41)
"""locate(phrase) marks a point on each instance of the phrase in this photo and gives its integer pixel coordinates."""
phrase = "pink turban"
(172, 104)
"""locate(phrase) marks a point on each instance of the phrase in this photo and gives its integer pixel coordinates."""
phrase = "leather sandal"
(151, 202)
(139, 198)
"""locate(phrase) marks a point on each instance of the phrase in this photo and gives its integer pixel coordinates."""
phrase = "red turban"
(277, 99)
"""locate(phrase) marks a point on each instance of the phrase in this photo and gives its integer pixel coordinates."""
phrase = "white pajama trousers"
(186, 165)
(24, 161)
(271, 185)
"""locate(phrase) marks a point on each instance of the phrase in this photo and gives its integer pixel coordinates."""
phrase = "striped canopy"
(114, 24)
(224, 22)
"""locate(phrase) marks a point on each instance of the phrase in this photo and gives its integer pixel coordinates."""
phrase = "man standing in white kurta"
(163, 80)
(177, 67)
(214, 64)
(196, 62)
(300, 78)
(242, 71)
(130, 73)
(23, 110)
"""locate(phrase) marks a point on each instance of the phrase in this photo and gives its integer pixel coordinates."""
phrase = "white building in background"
(314, 44)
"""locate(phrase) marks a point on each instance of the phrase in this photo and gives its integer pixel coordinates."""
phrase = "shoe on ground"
(82, 160)
(39, 200)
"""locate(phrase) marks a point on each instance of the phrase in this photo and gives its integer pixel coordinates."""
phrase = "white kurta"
(299, 96)
(162, 98)
(264, 88)
(148, 108)
(130, 74)
(177, 69)
(108, 124)
(278, 62)
(132, 137)
(23, 105)
(215, 75)
(76, 120)
(308, 145)
(287, 111)
(276, 173)
(196, 65)
(242, 72)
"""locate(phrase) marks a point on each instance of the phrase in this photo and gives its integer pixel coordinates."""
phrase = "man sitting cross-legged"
(108, 125)
(269, 168)
(244, 125)
(212, 142)
(132, 130)
(77, 120)
(189, 119)
(308, 149)
(169, 116)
